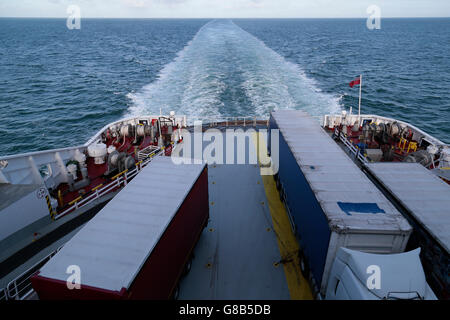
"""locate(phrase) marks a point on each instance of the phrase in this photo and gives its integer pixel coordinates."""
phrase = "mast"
(360, 87)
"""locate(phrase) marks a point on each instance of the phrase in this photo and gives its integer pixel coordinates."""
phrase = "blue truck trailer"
(330, 201)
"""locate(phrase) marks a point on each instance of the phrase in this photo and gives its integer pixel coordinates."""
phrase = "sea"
(58, 87)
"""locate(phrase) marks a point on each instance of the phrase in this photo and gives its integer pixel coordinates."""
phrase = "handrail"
(76, 200)
(363, 117)
(99, 186)
(101, 190)
(354, 150)
(3, 295)
(119, 174)
(247, 120)
(20, 287)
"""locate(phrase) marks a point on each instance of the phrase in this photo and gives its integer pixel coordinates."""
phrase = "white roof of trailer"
(336, 181)
(425, 195)
(111, 248)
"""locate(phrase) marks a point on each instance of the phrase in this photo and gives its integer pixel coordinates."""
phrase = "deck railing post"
(16, 291)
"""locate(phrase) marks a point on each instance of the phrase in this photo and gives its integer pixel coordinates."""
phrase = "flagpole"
(360, 87)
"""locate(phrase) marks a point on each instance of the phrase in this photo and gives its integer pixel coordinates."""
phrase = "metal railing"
(3, 295)
(144, 153)
(237, 121)
(229, 121)
(351, 118)
(20, 288)
(120, 179)
(354, 150)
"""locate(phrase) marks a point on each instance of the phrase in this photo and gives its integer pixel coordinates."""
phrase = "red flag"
(355, 82)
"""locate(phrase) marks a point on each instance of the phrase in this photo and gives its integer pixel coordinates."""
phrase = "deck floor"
(237, 254)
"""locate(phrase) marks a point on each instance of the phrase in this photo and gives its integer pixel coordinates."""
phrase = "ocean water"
(58, 86)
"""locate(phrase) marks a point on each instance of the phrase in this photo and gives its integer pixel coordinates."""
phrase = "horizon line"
(281, 18)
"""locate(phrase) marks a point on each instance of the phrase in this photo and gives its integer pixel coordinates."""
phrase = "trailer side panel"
(310, 221)
(138, 245)
(160, 274)
(326, 193)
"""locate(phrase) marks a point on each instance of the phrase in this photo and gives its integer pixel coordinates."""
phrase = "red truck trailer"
(138, 245)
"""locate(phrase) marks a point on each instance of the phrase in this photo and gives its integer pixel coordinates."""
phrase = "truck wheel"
(304, 268)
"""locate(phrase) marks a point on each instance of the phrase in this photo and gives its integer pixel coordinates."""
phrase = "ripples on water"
(405, 64)
(58, 87)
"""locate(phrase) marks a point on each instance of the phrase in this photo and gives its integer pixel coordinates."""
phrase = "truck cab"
(357, 275)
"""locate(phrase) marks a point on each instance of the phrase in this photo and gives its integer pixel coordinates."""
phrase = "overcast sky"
(224, 8)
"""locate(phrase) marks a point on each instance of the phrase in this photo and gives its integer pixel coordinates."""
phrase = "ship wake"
(225, 71)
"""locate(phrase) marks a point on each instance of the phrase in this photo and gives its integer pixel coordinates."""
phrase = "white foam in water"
(221, 58)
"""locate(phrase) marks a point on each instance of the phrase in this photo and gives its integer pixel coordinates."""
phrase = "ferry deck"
(247, 250)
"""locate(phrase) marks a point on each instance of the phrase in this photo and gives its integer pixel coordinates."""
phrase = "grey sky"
(224, 8)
